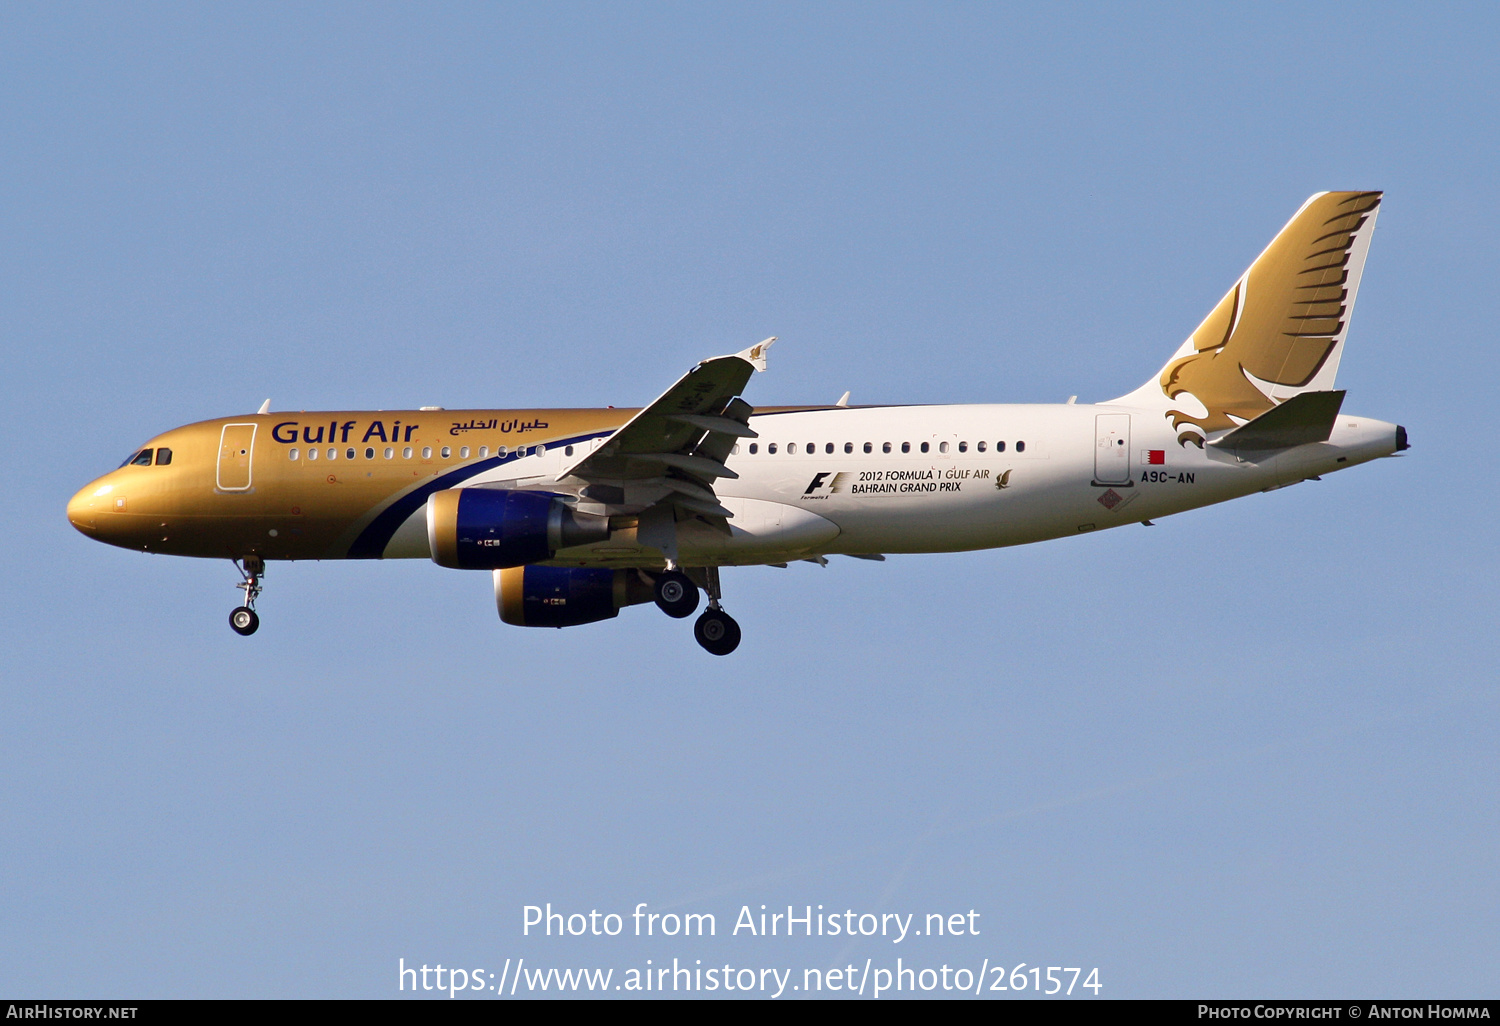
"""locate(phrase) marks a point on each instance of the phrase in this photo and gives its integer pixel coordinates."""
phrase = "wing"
(671, 453)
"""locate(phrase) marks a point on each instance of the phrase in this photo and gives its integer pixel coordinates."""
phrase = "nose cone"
(84, 508)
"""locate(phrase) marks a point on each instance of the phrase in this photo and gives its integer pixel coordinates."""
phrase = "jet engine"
(493, 528)
(558, 596)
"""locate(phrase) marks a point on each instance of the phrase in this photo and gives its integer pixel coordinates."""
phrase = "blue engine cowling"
(558, 596)
(493, 528)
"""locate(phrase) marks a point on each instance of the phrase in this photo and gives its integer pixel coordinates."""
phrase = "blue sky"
(1249, 752)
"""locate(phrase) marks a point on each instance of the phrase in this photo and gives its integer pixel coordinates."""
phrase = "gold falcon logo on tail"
(1281, 324)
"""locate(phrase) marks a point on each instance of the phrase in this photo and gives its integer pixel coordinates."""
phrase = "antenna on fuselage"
(265, 408)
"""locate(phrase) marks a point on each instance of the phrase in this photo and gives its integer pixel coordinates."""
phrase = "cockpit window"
(142, 459)
(163, 457)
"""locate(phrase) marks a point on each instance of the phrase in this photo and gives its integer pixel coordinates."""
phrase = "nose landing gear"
(243, 619)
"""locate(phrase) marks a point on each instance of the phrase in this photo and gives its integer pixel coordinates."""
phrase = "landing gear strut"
(716, 630)
(243, 619)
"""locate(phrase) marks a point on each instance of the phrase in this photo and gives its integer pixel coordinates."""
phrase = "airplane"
(578, 513)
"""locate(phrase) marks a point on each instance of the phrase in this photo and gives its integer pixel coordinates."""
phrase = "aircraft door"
(1112, 449)
(236, 447)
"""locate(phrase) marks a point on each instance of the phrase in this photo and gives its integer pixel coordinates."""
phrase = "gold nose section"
(84, 507)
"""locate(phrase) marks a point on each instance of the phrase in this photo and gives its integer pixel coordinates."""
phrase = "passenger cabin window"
(791, 447)
(291, 454)
(924, 446)
(312, 454)
(370, 453)
(447, 452)
(771, 448)
(142, 459)
(999, 446)
(963, 446)
(406, 453)
(568, 451)
(1020, 447)
(348, 454)
(163, 457)
(484, 451)
(501, 451)
(427, 452)
(828, 448)
(754, 448)
(869, 447)
(390, 453)
(942, 447)
(980, 447)
(886, 447)
(906, 447)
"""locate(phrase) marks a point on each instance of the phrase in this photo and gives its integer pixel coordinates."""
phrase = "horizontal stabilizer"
(1304, 418)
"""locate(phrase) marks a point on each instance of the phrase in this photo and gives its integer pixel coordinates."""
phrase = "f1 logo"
(817, 482)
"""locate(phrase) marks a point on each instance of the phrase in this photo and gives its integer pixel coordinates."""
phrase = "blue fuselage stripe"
(377, 534)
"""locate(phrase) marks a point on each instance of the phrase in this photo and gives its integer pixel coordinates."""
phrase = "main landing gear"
(243, 619)
(677, 596)
(717, 632)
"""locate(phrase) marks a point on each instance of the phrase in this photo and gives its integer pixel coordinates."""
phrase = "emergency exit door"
(1112, 449)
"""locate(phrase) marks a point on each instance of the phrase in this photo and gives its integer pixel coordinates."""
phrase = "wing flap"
(704, 391)
(722, 425)
(671, 452)
(699, 466)
(717, 445)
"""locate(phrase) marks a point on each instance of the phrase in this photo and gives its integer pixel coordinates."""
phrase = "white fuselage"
(1063, 470)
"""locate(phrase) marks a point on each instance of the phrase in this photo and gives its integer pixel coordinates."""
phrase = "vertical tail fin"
(1279, 331)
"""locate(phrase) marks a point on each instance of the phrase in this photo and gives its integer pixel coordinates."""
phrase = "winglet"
(756, 354)
(265, 408)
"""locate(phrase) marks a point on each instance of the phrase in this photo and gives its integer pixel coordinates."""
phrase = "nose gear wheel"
(243, 619)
